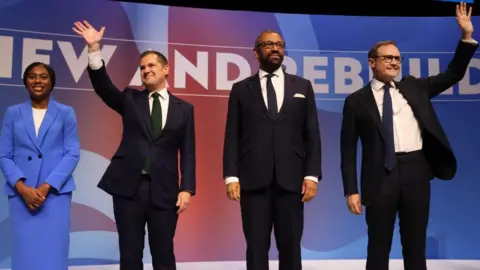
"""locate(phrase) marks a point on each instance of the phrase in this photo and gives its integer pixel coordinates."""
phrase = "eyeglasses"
(271, 45)
(390, 58)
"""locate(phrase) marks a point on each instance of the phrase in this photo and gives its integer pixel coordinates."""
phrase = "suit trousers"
(267, 208)
(405, 191)
(131, 215)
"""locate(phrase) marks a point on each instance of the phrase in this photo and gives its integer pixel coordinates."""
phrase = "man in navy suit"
(143, 175)
(272, 154)
(404, 147)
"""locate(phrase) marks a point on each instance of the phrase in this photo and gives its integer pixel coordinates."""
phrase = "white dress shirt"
(406, 130)
(278, 81)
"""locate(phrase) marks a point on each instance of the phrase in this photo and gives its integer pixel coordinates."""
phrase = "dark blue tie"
(271, 97)
(390, 159)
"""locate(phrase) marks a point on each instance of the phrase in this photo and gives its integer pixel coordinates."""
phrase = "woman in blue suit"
(39, 150)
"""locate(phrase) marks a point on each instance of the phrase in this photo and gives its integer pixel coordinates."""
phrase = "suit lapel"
(50, 116)
(287, 96)
(27, 117)
(369, 103)
(256, 91)
(407, 96)
(141, 100)
(173, 112)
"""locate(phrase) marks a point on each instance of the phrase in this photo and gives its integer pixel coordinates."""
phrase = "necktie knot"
(386, 87)
(269, 75)
(155, 95)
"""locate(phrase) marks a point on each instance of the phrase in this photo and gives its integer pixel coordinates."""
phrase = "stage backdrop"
(208, 51)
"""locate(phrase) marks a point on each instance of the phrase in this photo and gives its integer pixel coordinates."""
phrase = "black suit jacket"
(361, 119)
(256, 145)
(122, 176)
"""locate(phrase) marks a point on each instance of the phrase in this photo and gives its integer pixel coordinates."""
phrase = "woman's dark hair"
(49, 69)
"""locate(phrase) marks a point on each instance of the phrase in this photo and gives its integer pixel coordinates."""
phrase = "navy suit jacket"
(361, 120)
(258, 149)
(122, 176)
(50, 157)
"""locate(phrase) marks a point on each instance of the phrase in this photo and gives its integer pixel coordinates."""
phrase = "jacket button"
(40, 156)
(29, 158)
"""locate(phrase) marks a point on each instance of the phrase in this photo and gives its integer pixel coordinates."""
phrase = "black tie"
(390, 159)
(156, 121)
(271, 97)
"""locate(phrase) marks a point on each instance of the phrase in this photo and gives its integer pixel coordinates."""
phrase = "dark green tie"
(156, 120)
(156, 116)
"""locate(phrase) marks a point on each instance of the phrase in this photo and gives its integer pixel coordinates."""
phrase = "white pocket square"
(299, 95)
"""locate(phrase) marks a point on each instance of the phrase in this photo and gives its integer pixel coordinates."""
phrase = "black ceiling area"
(406, 8)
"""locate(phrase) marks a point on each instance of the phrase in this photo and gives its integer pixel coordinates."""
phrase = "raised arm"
(464, 52)
(97, 72)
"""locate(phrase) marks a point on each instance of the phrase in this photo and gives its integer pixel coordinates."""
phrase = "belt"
(400, 154)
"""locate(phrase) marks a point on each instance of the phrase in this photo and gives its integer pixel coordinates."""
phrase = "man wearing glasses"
(403, 148)
(272, 155)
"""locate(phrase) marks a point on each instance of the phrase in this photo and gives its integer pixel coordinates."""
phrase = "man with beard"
(272, 155)
(403, 148)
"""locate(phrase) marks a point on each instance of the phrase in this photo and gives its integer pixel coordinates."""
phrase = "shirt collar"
(378, 85)
(278, 73)
(162, 92)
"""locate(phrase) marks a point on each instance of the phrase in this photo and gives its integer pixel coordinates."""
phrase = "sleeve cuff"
(311, 178)
(13, 180)
(471, 41)
(95, 60)
(231, 179)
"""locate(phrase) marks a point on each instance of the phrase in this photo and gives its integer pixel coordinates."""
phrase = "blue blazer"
(50, 157)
